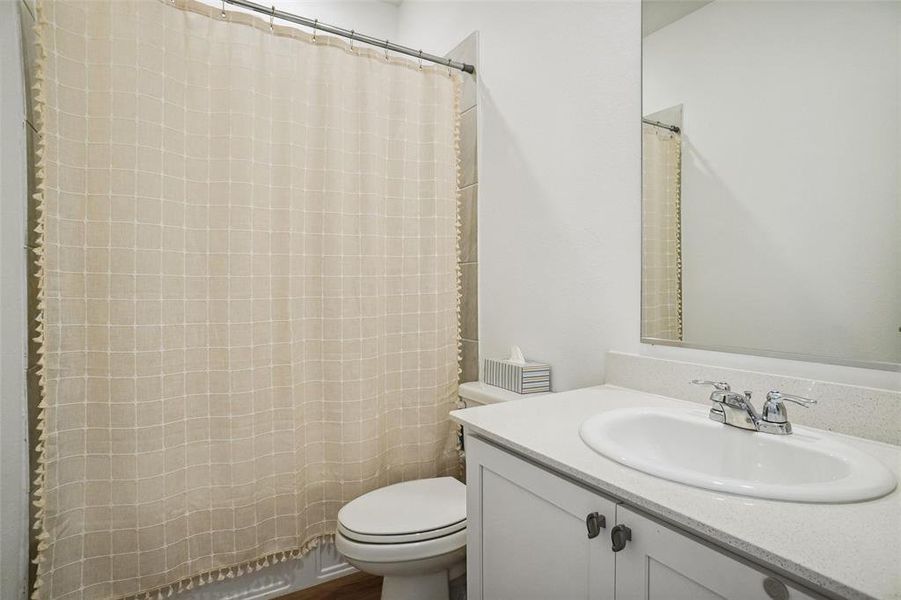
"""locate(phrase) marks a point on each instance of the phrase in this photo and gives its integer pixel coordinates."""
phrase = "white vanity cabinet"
(528, 539)
(527, 532)
(660, 563)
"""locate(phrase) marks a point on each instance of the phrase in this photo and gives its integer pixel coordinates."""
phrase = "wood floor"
(359, 586)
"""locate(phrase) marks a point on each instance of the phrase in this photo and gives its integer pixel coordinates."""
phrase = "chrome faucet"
(732, 408)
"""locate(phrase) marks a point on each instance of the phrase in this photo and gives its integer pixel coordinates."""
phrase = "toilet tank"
(476, 393)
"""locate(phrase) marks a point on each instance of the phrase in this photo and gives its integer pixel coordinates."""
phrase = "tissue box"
(520, 377)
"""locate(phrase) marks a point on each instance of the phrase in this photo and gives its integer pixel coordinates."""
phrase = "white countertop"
(848, 550)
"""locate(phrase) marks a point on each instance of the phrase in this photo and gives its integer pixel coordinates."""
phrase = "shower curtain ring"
(351, 40)
(386, 51)
(222, 14)
(420, 59)
(315, 26)
(272, 19)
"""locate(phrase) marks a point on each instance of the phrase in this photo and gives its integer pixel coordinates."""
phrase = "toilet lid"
(412, 507)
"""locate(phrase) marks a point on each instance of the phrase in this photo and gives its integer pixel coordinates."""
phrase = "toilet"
(413, 533)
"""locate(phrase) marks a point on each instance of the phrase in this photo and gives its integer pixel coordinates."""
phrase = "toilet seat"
(418, 536)
(400, 553)
(412, 511)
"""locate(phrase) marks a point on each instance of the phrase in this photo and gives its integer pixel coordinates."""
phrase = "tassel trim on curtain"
(677, 201)
(245, 568)
(458, 92)
(39, 99)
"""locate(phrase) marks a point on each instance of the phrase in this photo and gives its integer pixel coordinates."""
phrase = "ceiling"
(657, 14)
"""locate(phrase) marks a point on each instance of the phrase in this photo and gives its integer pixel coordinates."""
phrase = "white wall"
(790, 173)
(558, 173)
(377, 18)
(13, 426)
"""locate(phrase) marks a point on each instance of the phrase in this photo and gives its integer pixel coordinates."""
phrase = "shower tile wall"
(468, 51)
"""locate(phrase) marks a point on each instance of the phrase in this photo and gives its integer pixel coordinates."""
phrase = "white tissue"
(516, 356)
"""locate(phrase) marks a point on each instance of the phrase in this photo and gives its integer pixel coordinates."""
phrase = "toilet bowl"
(412, 534)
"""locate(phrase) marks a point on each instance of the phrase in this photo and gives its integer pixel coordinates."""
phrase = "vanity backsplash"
(854, 410)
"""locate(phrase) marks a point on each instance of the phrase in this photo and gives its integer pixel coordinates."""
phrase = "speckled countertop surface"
(846, 550)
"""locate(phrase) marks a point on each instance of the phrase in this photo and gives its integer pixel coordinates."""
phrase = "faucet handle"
(777, 396)
(720, 385)
(774, 410)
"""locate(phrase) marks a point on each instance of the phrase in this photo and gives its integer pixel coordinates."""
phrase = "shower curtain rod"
(316, 25)
(672, 128)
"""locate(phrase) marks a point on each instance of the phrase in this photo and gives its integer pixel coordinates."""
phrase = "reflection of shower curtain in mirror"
(250, 290)
(661, 247)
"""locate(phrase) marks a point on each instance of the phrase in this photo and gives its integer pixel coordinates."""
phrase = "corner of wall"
(468, 193)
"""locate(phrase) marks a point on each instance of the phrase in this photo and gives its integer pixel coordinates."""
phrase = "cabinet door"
(660, 563)
(527, 532)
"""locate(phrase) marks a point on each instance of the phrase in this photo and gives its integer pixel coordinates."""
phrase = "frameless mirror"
(770, 178)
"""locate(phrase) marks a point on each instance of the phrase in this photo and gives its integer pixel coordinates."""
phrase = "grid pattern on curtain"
(661, 235)
(249, 294)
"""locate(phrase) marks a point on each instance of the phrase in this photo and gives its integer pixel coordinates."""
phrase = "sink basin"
(683, 445)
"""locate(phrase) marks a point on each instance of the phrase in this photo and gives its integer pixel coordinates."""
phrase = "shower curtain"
(249, 291)
(661, 236)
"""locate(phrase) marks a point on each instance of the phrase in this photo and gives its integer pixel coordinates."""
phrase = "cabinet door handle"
(595, 522)
(775, 589)
(619, 535)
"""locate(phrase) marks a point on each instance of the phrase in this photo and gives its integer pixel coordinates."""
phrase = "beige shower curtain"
(661, 236)
(249, 289)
